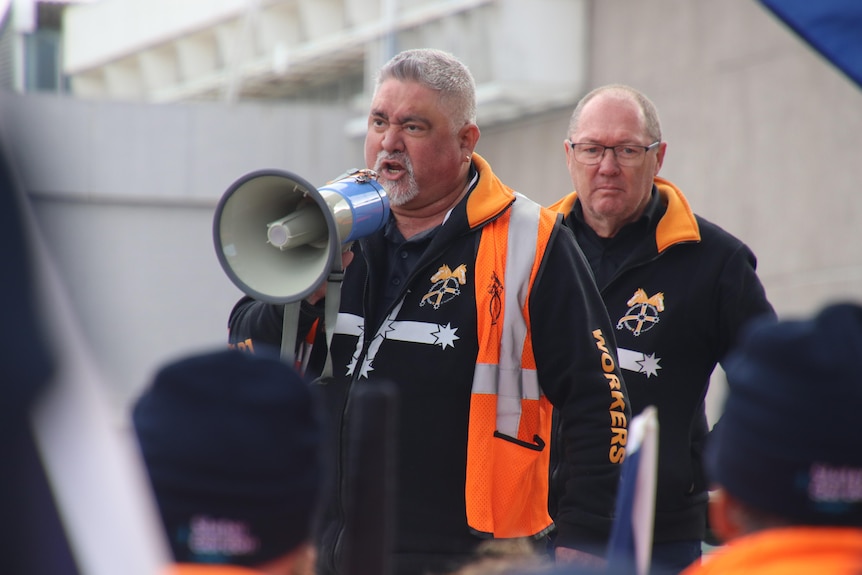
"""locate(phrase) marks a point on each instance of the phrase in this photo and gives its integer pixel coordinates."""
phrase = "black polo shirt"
(607, 255)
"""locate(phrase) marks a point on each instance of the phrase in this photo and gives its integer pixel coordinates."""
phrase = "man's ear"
(468, 135)
(567, 150)
(726, 516)
(662, 149)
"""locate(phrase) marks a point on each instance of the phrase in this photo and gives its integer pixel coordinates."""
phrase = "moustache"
(398, 157)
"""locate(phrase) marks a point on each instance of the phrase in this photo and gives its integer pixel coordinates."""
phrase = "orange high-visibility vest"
(508, 446)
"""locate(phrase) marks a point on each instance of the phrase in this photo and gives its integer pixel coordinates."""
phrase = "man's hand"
(567, 556)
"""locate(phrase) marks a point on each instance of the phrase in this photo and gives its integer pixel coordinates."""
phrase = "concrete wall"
(763, 138)
(125, 196)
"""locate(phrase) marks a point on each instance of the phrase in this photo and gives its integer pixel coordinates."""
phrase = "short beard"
(405, 189)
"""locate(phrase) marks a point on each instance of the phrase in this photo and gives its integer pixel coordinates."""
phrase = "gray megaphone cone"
(276, 235)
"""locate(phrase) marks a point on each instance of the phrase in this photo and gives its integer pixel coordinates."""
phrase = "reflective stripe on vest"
(510, 419)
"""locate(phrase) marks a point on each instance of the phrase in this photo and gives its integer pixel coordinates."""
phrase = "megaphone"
(277, 236)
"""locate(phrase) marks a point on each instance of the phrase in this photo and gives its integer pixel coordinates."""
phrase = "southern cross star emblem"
(446, 336)
(638, 362)
(649, 365)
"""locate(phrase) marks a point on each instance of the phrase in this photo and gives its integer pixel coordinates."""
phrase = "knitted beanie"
(790, 441)
(231, 443)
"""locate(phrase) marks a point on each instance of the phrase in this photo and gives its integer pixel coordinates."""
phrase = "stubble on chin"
(401, 191)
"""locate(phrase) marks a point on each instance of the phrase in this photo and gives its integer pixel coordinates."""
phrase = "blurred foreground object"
(832, 27)
(786, 457)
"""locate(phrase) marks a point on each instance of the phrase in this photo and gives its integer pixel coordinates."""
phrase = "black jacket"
(677, 300)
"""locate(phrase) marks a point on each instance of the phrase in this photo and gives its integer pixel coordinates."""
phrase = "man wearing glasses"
(677, 289)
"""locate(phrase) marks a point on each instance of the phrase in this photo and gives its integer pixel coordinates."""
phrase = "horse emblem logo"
(643, 311)
(447, 285)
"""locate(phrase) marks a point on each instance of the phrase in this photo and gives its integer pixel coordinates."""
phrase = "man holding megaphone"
(478, 305)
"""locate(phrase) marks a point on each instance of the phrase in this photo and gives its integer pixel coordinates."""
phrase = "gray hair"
(647, 108)
(440, 71)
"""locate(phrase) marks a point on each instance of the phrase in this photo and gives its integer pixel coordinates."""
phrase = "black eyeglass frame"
(614, 148)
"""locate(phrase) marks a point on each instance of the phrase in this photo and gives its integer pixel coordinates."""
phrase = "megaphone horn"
(276, 235)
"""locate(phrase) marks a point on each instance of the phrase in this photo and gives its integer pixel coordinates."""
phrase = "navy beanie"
(790, 440)
(231, 442)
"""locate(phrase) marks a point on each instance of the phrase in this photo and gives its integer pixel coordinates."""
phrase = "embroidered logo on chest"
(446, 285)
(643, 311)
(496, 303)
(642, 315)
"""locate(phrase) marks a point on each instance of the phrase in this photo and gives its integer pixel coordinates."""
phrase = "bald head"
(649, 114)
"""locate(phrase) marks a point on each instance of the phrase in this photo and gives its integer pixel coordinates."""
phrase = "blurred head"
(231, 443)
(613, 194)
(787, 448)
(421, 127)
(518, 556)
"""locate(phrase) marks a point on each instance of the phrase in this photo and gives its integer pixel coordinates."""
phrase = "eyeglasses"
(626, 154)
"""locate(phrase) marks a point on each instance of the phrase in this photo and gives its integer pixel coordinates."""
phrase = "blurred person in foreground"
(231, 444)
(677, 289)
(507, 557)
(787, 458)
(478, 305)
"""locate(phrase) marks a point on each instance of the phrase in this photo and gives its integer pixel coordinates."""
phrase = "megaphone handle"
(332, 303)
(288, 332)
